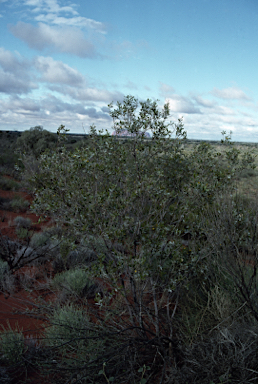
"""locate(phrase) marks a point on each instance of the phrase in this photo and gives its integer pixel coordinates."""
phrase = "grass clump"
(8, 184)
(19, 204)
(6, 278)
(12, 346)
(39, 240)
(23, 225)
(73, 281)
(22, 222)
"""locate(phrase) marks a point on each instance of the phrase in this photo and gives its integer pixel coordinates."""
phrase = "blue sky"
(62, 62)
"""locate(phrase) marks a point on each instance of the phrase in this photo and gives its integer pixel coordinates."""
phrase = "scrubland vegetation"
(154, 253)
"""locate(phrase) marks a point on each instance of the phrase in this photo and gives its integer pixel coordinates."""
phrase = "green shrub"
(73, 281)
(23, 225)
(39, 239)
(19, 204)
(4, 270)
(149, 196)
(227, 355)
(35, 141)
(12, 346)
(246, 173)
(7, 280)
(23, 233)
(22, 222)
(9, 184)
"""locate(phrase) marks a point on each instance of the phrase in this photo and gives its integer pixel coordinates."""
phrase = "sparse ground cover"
(149, 275)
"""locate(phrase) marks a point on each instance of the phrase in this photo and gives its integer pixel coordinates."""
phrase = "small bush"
(246, 173)
(5, 378)
(12, 346)
(9, 184)
(81, 256)
(22, 227)
(22, 222)
(39, 240)
(4, 203)
(228, 355)
(23, 233)
(7, 281)
(19, 204)
(74, 281)
(4, 269)
(74, 339)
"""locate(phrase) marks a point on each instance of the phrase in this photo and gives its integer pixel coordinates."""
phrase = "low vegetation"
(154, 254)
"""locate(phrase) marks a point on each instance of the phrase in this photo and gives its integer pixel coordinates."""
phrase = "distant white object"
(125, 133)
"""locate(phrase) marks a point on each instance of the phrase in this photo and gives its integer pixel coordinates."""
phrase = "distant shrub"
(35, 141)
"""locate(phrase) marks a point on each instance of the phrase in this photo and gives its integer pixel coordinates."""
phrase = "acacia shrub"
(35, 141)
(145, 195)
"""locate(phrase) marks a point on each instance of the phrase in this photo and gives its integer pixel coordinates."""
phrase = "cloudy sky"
(63, 62)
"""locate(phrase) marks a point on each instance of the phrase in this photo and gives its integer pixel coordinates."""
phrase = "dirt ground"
(22, 309)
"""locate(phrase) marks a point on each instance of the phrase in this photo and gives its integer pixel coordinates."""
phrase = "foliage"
(12, 346)
(16, 204)
(72, 337)
(23, 225)
(19, 204)
(73, 281)
(6, 279)
(227, 355)
(39, 239)
(35, 141)
(9, 184)
(22, 222)
(8, 158)
(232, 239)
(153, 199)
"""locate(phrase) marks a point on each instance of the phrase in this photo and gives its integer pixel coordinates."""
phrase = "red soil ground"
(21, 309)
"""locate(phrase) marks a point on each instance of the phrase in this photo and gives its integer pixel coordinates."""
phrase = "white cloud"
(131, 85)
(50, 12)
(203, 102)
(57, 72)
(182, 104)
(66, 39)
(15, 74)
(165, 90)
(11, 84)
(233, 93)
(205, 118)
(12, 63)
(50, 6)
(88, 94)
(24, 112)
(78, 21)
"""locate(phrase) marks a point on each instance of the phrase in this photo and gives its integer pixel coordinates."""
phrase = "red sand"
(22, 310)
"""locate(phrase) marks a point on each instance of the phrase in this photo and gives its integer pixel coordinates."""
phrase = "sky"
(63, 62)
